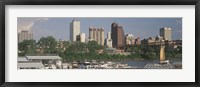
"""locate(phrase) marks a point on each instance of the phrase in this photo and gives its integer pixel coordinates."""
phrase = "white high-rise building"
(97, 34)
(109, 35)
(166, 33)
(24, 35)
(108, 41)
(74, 29)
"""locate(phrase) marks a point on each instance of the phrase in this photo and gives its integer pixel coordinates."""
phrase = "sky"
(59, 27)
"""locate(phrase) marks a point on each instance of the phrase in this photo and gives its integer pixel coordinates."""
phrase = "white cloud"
(24, 23)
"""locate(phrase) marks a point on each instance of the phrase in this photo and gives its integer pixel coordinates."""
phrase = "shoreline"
(125, 60)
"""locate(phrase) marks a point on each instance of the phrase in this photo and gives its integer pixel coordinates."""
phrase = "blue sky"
(59, 27)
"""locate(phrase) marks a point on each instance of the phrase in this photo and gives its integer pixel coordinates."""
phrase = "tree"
(27, 47)
(93, 46)
(149, 52)
(48, 45)
(179, 49)
(76, 47)
(133, 48)
(66, 44)
(62, 46)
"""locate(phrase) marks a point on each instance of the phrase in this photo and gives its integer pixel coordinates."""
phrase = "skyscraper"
(74, 29)
(108, 40)
(24, 35)
(166, 33)
(117, 36)
(101, 36)
(91, 33)
(96, 35)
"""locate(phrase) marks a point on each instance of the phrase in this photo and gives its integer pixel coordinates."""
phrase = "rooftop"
(30, 65)
(22, 59)
(43, 57)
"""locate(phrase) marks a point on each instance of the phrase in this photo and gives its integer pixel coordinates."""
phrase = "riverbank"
(125, 60)
(127, 64)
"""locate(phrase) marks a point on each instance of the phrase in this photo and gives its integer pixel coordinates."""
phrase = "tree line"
(78, 51)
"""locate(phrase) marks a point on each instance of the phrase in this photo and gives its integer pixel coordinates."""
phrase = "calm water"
(142, 63)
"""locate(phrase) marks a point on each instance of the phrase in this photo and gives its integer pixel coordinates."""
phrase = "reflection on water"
(142, 63)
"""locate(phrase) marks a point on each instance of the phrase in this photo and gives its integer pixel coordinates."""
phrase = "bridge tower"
(162, 53)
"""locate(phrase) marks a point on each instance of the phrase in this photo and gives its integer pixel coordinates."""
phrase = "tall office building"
(96, 35)
(102, 36)
(130, 39)
(117, 36)
(81, 37)
(74, 29)
(24, 35)
(108, 40)
(91, 33)
(166, 33)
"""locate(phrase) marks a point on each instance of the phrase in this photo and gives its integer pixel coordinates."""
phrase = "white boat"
(164, 62)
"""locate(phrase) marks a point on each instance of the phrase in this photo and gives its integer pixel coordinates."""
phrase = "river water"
(142, 63)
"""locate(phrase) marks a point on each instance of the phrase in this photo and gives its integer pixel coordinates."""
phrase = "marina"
(55, 62)
(95, 65)
(134, 64)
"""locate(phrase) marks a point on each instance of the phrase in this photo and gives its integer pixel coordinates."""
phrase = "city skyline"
(60, 27)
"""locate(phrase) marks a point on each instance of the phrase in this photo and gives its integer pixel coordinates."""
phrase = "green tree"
(27, 47)
(76, 47)
(62, 46)
(93, 46)
(179, 49)
(149, 52)
(48, 45)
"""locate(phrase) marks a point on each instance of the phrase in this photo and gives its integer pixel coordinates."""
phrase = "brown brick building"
(117, 35)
